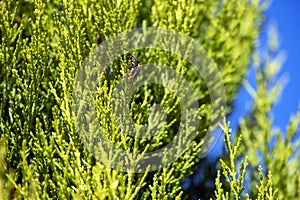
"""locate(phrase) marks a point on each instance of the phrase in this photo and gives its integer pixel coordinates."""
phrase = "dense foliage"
(44, 43)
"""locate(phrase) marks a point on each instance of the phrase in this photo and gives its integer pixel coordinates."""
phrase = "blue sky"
(285, 16)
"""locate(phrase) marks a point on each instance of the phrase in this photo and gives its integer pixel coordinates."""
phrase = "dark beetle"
(134, 67)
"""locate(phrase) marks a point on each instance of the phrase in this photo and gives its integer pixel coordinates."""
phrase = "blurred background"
(282, 17)
(286, 16)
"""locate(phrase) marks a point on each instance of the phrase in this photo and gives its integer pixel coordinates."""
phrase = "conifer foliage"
(42, 46)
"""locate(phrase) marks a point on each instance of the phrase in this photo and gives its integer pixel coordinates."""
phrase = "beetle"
(134, 67)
